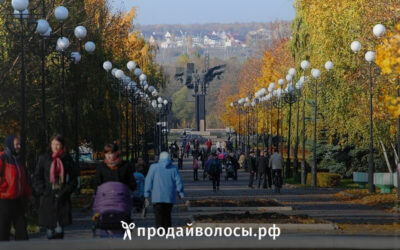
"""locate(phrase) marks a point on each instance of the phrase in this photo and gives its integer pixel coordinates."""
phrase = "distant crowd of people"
(264, 168)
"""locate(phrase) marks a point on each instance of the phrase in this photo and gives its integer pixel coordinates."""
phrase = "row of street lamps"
(137, 95)
(292, 94)
(28, 22)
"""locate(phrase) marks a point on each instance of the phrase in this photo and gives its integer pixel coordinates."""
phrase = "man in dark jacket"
(235, 164)
(269, 171)
(215, 170)
(14, 191)
(251, 165)
(262, 168)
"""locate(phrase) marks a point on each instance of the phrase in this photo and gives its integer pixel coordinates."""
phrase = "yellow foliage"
(388, 59)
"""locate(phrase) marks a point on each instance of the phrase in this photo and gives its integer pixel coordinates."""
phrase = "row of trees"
(322, 31)
(115, 39)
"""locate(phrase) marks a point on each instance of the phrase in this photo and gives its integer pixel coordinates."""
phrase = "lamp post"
(316, 74)
(21, 13)
(61, 14)
(270, 96)
(234, 105)
(290, 98)
(259, 95)
(44, 30)
(247, 109)
(254, 105)
(118, 75)
(370, 71)
(304, 65)
(240, 103)
(167, 108)
(281, 82)
(80, 33)
(299, 86)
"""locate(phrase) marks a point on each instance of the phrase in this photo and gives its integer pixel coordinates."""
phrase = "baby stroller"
(230, 173)
(112, 204)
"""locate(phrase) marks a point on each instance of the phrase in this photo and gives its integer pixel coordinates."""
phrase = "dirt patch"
(369, 228)
(363, 197)
(248, 217)
(234, 203)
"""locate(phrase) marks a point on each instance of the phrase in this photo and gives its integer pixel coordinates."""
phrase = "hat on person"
(164, 156)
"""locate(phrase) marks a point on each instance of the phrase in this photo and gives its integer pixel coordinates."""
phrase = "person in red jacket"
(209, 145)
(14, 191)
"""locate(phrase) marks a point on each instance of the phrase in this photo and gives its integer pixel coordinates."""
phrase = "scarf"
(113, 164)
(57, 169)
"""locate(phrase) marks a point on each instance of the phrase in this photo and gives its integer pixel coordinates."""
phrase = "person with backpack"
(14, 191)
(195, 169)
(215, 170)
(56, 177)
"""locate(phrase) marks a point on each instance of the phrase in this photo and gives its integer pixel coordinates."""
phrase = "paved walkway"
(318, 203)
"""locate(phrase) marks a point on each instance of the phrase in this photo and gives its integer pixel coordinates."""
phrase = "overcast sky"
(207, 11)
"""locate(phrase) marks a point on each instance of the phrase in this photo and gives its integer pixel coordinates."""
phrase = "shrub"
(326, 179)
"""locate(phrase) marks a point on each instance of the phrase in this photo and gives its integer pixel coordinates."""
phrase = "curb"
(286, 227)
(220, 209)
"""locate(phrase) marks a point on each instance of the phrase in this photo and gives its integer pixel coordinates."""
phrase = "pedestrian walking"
(242, 160)
(218, 145)
(180, 159)
(203, 157)
(223, 146)
(14, 191)
(55, 179)
(215, 170)
(114, 169)
(138, 193)
(174, 149)
(276, 164)
(235, 164)
(269, 171)
(162, 183)
(187, 149)
(251, 166)
(184, 142)
(195, 169)
(262, 166)
(209, 145)
(142, 164)
(207, 166)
